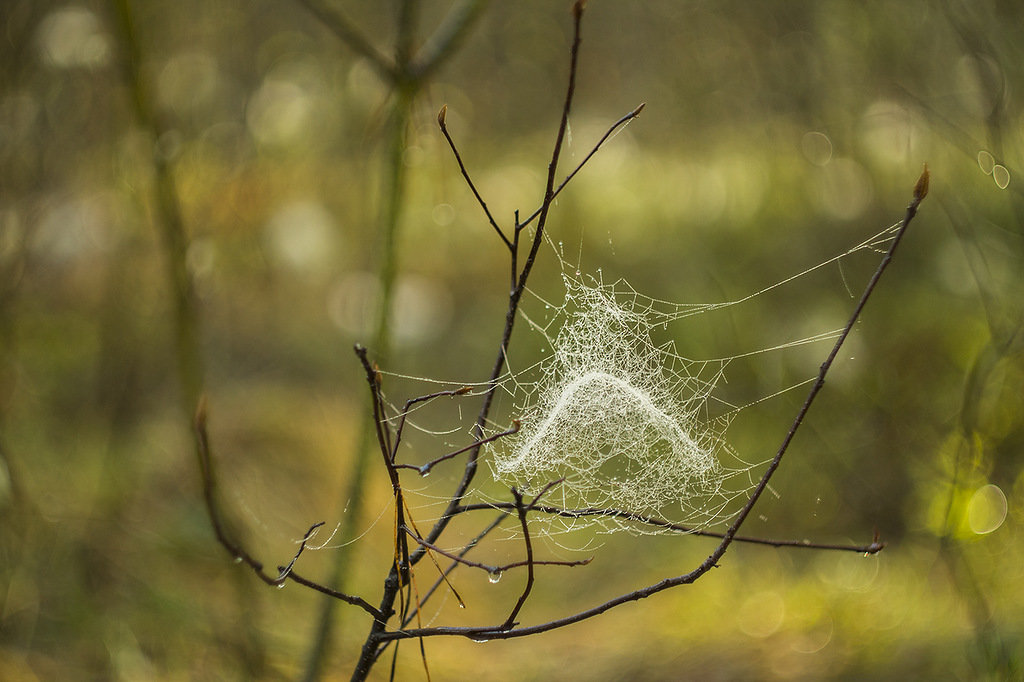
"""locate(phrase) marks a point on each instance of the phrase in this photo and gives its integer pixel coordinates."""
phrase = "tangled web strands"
(623, 421)
(619, 418)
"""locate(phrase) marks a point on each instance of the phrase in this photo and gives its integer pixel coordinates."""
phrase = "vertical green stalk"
(170, 223)
(391, 214)
(406, 76)
(168, 218)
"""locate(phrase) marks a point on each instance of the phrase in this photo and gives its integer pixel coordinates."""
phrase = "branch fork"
(399, 585)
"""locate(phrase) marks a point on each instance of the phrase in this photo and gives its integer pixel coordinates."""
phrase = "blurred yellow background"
(775, 136)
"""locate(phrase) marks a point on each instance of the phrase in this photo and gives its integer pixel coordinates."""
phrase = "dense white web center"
(619, 430)
(623, 422)
(613, 415)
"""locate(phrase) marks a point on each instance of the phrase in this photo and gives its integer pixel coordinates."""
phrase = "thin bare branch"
(236, 550)
(604, 138)
(415, 401)
(330, 592)
(872, 548)
(441, 122)
(425, 469)
(380, 420)
(563, 126)
(920, 191)
(492, 569)
(285, 571)
(515, 295)
(510, 622)
(455, 560)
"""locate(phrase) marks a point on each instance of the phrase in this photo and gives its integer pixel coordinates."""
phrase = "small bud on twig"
(921, 188)
(441, 115)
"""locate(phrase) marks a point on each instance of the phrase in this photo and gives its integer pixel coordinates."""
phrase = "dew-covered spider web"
(619, 420)
(616, 427)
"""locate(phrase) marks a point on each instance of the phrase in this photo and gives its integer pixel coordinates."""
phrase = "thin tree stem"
(501, 632)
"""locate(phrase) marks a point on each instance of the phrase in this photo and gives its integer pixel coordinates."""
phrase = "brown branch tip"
(921, 188)
(441, 115)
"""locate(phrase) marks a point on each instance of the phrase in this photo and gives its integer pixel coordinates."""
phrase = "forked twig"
(415, 401)
(874, 547)
(285, 571)
(604, 138)
(400, 574)
(235, 549)
(493, 569)
(425, 469)
(519, 280)
(510, 622)
(920, 192)
(442, 123)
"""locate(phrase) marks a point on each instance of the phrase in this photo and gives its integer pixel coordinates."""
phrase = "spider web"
(618, 429)
(618, 419)
(631, 430)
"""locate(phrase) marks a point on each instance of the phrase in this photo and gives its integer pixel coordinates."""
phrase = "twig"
(873, 548)
(563, 126)
(492, 569)
(425, 469)
(379, 418)
(604, 138)
(285, 571)
(441, 122)
(510, 622)
(515, 295)
(920, 192)
(456, 560)
(237, 551)
(415, 401)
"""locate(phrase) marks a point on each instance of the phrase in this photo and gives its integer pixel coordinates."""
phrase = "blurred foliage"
(776, 134)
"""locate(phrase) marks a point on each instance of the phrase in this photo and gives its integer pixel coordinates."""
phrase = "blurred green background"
(776, 135)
